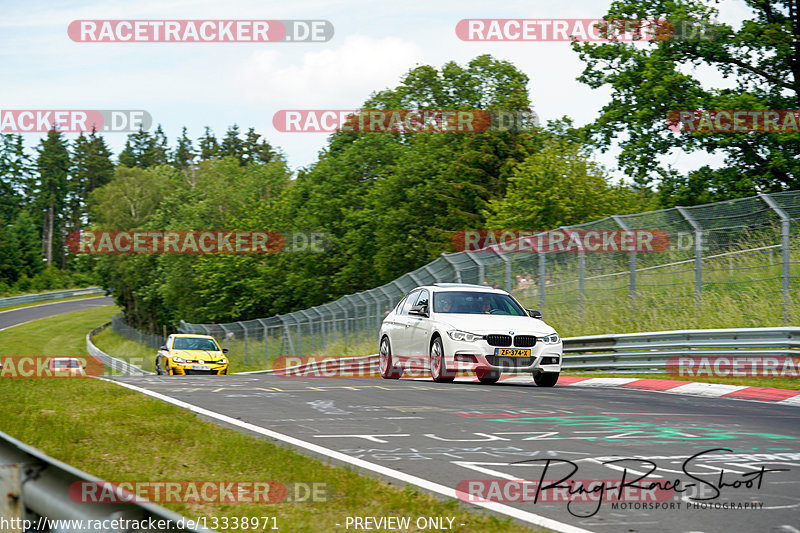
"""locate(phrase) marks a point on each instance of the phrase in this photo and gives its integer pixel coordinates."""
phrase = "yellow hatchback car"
(187, 355)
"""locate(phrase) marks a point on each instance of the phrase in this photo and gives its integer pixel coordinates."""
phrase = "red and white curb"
(690, 388)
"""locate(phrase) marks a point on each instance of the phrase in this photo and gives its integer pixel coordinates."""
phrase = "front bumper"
(196, 369)
(480, 357)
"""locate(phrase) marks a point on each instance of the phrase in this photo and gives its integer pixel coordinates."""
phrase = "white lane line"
(507, 510)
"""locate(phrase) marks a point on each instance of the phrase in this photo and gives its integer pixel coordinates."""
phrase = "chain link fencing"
(148, 339)
(741, 247)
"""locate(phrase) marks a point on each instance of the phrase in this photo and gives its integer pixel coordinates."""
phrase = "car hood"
(194, 355)
(497, 324)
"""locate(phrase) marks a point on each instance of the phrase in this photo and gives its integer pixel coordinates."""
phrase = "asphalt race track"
(742, 458)
(21, 315)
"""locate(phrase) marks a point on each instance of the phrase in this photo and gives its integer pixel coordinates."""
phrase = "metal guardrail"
(652, 350)
(627, 351)
(36, 487)
(46, 296)
(118, 365)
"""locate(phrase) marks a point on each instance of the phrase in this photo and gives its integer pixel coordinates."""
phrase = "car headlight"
(176, 359)
(222, 361)
(465, 336)
(551, 339)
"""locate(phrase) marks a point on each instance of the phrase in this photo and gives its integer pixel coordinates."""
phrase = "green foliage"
(649, 81)
(559, 186)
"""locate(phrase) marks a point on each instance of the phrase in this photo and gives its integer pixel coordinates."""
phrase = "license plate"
(512, 352)
(201, 367)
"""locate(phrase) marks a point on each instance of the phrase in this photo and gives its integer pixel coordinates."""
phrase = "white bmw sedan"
(451, 327)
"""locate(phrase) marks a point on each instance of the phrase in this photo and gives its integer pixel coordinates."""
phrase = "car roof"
(191, 336)
(444, 287)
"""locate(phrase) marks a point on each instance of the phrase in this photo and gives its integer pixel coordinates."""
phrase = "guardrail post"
(785, 256)
(631, 266)
(698, 250)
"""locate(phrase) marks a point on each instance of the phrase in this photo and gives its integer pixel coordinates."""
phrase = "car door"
(419, 328)
(402, 336)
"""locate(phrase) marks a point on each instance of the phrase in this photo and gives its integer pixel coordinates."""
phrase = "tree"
(232, 145)
(650, 81)
(558, 186)
(257, 151)
(209, 147)
(144, 150)
(92, 168)
(53, 166)
(15, 175)
(184, 154)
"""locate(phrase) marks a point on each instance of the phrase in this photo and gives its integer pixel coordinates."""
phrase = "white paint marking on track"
(706, 389)
(794, 400)
(604, 382)
(431, 486)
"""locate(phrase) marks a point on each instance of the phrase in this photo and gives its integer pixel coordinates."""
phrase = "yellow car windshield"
(187, 343)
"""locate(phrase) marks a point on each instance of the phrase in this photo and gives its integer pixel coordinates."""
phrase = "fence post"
(455, 267)
(507, 276)
(581, 270)
(631, 266)
(481, 271)
(346, 342)
(266, 335)
(542, 280)
(244, 332)
(698, 250)
(287, 335)
(785, 256)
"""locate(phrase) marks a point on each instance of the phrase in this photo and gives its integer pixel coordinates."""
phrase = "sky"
(220, 84)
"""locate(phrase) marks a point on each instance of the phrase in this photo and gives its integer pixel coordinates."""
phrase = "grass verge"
(118, 434)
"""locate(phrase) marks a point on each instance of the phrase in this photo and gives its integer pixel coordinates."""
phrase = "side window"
(423, 298)
(409, 302)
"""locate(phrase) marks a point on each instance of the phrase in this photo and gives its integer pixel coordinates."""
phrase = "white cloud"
(336, 77)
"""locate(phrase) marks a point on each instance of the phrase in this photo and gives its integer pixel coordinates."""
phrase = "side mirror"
(164, 348)
(224, 350)
(534, 314)
(419, 310)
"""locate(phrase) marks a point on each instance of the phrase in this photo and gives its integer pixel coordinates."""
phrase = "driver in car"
(447, 304)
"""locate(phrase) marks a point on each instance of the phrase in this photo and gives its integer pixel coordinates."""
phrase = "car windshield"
(476, 303)
(66, 363)
(190, 343)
